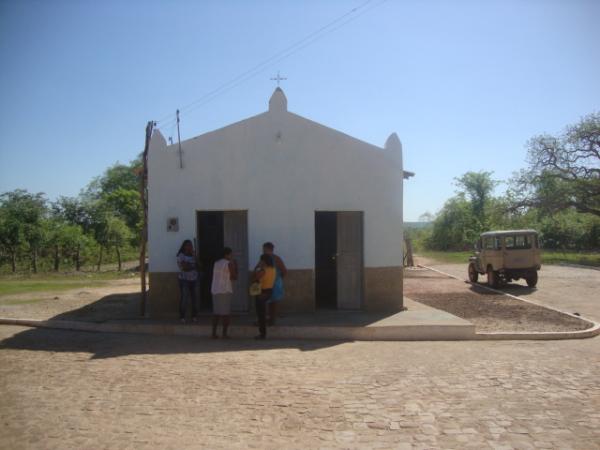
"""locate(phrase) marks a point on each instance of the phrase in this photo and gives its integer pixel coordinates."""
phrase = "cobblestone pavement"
(62, 389)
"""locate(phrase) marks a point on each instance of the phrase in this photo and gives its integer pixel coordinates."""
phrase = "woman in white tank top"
(224, 271)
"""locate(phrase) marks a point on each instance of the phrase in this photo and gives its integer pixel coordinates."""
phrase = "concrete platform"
(418, 322)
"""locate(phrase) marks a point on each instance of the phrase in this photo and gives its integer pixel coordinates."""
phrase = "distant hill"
(417, 225)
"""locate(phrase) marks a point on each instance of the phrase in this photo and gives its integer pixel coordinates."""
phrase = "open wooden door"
(326, 259)
(349, 260)
(235, 231)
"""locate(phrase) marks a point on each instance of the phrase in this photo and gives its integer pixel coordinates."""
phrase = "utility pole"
(179, 142)
(144, 200)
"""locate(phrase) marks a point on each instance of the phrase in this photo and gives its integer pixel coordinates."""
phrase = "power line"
(330, 27)
(266, 61)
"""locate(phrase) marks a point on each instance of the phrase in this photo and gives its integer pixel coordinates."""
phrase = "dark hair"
(267, 259)
(227, 251)
(269, 245)
(186, 242)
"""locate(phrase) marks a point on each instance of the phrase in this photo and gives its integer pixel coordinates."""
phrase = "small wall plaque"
(173, 224)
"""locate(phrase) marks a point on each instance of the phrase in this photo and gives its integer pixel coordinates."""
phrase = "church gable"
(278, 133)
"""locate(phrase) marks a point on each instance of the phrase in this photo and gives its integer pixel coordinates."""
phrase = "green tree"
(455, 226)
(11, 235)
(118, 235)
(111, 232)
(75, 211)
(22, 225)
(117, 190)
(66, 241)
(125, 204)
(118, 176)
(563, 172)
(478, 186)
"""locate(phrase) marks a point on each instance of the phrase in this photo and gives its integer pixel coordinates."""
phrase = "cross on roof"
(278, 78)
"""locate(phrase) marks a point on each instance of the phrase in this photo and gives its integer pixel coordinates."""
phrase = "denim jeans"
(185, 299)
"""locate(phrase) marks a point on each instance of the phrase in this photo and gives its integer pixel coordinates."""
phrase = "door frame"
(246, 264)
(362, 255)
(331, 300)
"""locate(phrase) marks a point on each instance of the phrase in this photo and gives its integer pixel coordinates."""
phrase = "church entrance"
(339, 259)
(216, 230)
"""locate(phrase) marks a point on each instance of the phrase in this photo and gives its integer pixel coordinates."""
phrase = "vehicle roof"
(507, 232)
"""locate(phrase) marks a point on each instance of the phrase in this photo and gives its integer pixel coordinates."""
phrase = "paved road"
(571, 289)
(64, 389)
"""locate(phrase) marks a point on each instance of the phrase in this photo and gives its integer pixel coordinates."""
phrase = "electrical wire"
(270, 59)
(311, 38)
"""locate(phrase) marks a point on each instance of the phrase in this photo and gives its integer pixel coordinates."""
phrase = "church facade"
(330, 203)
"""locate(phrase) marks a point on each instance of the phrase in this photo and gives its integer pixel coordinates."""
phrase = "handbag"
(255, 289)
(277, 294)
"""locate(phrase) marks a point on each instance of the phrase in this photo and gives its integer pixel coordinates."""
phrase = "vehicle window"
(523, 241)
(488, 243)
(520, 242)
(497, 243)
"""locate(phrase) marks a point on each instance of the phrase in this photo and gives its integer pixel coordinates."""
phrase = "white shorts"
(222, 304)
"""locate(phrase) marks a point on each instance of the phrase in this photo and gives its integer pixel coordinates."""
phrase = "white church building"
(330, 203)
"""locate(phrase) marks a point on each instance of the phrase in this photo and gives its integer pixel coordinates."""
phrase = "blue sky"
(464, 83)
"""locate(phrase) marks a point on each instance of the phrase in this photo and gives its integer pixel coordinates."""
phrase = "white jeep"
(505, 256)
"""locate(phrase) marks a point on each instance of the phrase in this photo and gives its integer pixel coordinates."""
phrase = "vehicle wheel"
(492, 278)
(473, 275)
(532, 279)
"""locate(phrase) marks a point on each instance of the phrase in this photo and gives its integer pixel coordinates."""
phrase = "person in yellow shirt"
(277, 296)
(265, 274)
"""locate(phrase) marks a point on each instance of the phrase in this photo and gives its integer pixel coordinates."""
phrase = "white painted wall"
(281, 168)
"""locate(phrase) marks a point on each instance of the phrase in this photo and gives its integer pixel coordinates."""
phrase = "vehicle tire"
(473, 275)
(492, 277)
(532, 279)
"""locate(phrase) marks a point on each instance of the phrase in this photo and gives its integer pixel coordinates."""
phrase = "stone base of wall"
(383, 292)
(384, 289)
(163, 298)
(299, 291)
(163, 295)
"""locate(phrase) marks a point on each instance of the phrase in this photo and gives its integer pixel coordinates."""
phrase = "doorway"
(216, 230)
(339, 259)
(325, 259)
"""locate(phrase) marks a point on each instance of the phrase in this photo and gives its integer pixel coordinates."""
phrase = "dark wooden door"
(210, 248)
(325, 259)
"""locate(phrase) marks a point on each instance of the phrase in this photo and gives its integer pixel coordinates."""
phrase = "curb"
(594, 329)
(340, 333)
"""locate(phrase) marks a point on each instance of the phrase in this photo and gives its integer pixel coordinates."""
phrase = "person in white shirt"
(224, 272)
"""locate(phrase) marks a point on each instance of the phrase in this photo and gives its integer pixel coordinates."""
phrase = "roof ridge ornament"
(393, 149)
(278, 101)
(278, 78)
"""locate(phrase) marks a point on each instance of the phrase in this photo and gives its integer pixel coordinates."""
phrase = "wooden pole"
(179, 143)
(409, 253)
(144, 231)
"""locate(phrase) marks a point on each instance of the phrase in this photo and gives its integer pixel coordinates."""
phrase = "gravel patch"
(488, 311)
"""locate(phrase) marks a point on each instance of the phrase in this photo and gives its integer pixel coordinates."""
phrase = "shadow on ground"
(126, 307)
(113, 345)
(110, 307)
